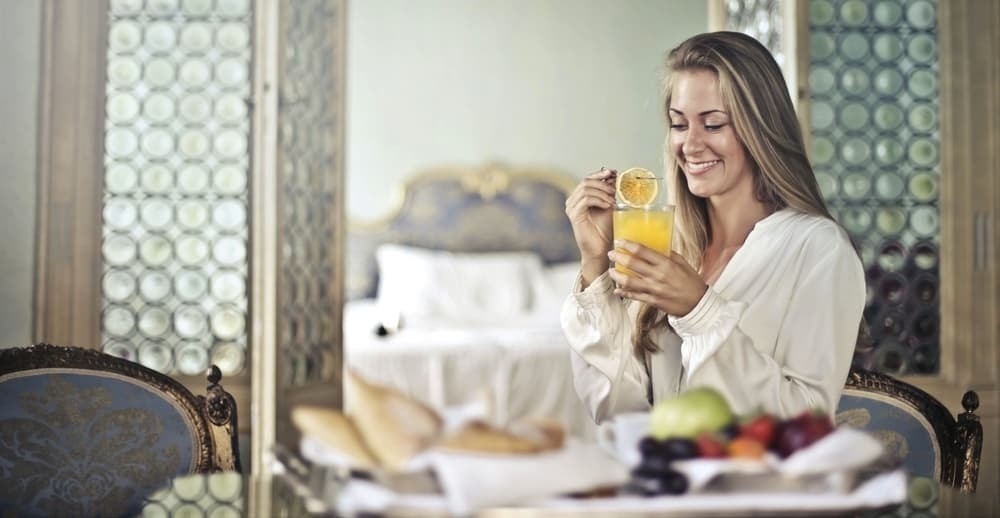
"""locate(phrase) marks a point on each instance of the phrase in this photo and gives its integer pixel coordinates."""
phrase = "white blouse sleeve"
(815, 342)
(609, 379)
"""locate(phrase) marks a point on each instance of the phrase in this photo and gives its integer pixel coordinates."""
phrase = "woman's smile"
(697, 168)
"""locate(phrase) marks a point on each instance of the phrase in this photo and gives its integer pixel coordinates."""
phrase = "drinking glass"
(650, 224)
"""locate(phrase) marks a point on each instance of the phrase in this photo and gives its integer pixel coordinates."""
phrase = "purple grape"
(677, 448)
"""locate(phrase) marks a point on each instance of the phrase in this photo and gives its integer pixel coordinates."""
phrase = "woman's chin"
(699, 189)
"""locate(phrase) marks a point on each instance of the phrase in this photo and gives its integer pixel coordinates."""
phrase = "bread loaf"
(335, 431)
(395, 426)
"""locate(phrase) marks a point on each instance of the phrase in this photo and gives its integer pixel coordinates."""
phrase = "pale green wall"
(19, 60)
(568, 84)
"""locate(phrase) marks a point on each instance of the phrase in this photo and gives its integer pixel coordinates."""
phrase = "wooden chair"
(918, 431)
(83, 433)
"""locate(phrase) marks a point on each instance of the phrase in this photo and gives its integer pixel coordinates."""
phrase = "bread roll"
(336, 431)
(395, 426)
(549, 434)
(479, 437)
(521, 438)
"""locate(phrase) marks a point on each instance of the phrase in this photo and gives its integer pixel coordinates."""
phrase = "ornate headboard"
(472, 210)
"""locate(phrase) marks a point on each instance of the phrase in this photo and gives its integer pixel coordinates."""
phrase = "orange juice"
(652, 227)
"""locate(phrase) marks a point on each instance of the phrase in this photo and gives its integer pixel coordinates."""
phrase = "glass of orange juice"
(642, 213)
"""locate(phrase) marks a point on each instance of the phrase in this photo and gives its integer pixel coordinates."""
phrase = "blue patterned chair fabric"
(919, 432)
(476, 210)
(83, 433)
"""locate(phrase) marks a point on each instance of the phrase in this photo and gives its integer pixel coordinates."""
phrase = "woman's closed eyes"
(708, 127)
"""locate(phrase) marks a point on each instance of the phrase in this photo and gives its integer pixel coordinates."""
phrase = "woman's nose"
(693, 141)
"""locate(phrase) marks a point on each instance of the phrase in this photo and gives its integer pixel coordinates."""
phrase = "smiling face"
(703, 141)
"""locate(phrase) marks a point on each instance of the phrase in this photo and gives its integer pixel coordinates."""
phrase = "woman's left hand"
(667, 283)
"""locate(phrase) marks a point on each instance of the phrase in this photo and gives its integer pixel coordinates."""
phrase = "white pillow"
(554, 284)
(422, 284)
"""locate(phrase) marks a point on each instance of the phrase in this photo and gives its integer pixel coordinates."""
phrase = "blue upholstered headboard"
(471, 210)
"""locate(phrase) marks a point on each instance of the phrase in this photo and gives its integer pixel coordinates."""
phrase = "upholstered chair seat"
(918, 431)
(87, 434)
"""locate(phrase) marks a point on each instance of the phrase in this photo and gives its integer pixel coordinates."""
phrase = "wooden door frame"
(70, 173)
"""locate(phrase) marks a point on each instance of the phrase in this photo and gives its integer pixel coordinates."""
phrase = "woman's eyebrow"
(706, 112)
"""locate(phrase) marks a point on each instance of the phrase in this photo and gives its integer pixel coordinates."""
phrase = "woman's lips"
(700, 167)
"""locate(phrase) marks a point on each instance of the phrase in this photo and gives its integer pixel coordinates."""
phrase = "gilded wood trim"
(70, 167)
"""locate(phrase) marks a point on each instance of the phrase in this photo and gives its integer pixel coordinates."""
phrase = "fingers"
(603, 174)
(582, 204)
(670, 284)
(636, 257)
(591, 193)
(600, 184)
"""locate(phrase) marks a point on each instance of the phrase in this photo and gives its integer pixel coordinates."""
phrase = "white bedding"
(519, 366)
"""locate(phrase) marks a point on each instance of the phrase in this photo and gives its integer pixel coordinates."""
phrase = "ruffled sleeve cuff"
(706, 328)
(601, 286)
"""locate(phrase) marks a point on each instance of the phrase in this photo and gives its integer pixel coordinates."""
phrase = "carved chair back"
(83, 433)
(919, 432)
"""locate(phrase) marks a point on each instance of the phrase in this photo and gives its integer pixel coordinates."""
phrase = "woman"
(763, 296)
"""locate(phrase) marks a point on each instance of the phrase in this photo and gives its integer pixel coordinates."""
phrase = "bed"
(454, 297)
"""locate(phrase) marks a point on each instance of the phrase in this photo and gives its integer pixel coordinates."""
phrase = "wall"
(567, 84)
(19, 61)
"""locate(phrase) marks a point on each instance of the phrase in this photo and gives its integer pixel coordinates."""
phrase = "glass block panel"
(873, 79)
(175, 226)
(221, 495)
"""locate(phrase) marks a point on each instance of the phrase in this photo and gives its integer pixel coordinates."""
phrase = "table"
(288, 491)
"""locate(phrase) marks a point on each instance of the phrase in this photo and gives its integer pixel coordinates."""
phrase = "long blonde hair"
(753, 92)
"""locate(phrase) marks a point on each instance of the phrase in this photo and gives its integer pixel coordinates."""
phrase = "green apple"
(701, 409)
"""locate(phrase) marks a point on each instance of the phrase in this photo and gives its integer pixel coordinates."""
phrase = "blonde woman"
(763, 296)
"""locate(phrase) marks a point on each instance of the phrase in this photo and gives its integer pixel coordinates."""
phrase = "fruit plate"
(837, 463)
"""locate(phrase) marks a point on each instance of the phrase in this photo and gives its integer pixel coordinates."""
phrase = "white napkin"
(830, 463)
(475, 481)
(359, 497)
(844, 449)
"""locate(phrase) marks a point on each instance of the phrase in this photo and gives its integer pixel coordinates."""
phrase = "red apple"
(762, 429)
(710, 446)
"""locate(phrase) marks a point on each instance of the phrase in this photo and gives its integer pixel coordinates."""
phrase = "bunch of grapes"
(655, 475)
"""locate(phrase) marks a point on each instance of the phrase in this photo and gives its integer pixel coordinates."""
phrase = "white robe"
(775, 333)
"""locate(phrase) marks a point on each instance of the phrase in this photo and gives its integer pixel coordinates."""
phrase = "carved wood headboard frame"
(467, 209)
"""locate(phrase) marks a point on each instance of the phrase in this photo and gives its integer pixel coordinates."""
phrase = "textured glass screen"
(175, 218)
(309, 122)
(873, 81)
(760, 19)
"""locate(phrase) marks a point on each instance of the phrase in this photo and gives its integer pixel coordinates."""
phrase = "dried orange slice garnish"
(637, 186)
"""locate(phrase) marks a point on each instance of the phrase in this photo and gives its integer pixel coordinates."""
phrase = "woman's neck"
(732, 223)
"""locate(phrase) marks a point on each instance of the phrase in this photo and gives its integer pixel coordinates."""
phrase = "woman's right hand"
(590, 207)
